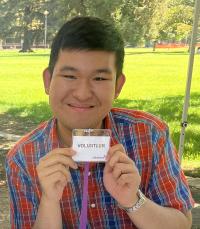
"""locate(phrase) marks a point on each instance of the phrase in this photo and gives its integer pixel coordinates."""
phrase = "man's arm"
(122, 180)
(153, 216)
(23, 199)
(53, 173)
(49, 215)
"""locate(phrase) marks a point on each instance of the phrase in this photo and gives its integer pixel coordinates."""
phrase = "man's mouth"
(81, 107)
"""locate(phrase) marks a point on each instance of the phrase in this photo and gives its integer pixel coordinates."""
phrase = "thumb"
(107, 168)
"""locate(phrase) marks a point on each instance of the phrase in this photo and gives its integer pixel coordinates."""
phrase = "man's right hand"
(53, 172)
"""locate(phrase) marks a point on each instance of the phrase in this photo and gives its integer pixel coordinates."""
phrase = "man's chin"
(82, 125)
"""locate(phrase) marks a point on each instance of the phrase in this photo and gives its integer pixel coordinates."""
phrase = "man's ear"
(119, 84)
(46, 80)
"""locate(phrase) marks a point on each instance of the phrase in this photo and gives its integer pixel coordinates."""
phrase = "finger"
(107, 168)
(121, 168)
(117, 147)
(55, 168)
(59, 158)
(119, 157)
(56, 177)
(126, 179)
(60, 151)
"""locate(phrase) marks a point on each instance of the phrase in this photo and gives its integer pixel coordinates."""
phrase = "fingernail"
(73, 151)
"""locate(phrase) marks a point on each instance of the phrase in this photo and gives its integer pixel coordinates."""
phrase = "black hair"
(88, 33)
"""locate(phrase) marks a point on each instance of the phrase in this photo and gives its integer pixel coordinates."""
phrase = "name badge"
(91, 145)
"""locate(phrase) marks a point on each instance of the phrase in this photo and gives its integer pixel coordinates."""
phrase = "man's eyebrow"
(103, 70)
(68, 68)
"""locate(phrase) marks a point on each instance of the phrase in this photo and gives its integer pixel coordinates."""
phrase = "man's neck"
(64, 136)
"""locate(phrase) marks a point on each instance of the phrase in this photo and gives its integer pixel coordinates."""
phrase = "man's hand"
(53, 172)
(121, 177)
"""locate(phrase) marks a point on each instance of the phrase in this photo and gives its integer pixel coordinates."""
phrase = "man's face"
(82, 88)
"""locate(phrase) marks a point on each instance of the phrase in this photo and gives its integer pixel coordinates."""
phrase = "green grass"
(21, 79)
(191, 167)
(155, 83)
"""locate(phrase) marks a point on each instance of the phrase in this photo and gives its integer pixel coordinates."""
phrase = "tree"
(114, 11)
(139, 21)
(157, 13)
(178, 21)
(23, 20)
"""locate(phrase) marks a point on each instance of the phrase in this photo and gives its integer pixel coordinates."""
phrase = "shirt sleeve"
(23, 200)
(168, 185)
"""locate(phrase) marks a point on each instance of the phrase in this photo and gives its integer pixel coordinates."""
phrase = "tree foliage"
(140, 21)
(178, 20)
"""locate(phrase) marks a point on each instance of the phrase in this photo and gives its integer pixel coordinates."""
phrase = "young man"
(140, 185)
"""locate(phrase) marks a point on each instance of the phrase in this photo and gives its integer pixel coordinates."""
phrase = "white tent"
(189, 77)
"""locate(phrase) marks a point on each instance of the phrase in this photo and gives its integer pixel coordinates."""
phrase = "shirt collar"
(110, 124)
(53, 140)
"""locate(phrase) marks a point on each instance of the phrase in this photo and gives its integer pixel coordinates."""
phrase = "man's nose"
(83, 90)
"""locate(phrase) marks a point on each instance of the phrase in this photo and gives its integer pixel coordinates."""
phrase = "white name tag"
(90, 148)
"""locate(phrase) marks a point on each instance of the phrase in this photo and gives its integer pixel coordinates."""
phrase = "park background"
(157, 35)
(156, 74)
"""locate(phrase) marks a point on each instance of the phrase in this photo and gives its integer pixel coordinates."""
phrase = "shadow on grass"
(192, 143)
(157, 52)
(193, 172)
(19, 120)
(168, 108)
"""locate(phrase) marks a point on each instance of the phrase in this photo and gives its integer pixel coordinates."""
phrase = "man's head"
(88, 33)
(87, 55)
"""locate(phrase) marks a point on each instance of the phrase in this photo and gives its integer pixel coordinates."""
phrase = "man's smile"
(80, 107)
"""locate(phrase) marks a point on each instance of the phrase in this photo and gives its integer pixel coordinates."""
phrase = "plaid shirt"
(145, 139)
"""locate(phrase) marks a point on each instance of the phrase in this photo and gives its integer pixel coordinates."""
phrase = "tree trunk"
(26, 46)
(154, 46)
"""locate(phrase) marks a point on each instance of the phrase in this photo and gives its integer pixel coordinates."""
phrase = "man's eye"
(70, 77)
(99, 78)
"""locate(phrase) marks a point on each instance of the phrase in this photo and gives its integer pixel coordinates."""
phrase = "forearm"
(153, 216)
(49, 215)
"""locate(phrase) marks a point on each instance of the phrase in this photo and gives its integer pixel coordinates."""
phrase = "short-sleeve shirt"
(146, 141)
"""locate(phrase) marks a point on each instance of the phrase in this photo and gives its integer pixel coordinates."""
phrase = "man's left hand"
(121, 177)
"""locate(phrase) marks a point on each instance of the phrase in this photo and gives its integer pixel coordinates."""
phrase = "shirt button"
(92, 205)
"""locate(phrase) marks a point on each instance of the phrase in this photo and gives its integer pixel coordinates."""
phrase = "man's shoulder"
(130, 116)
(28, 140)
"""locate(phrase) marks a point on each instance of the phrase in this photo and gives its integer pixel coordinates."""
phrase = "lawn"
(155, 83)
